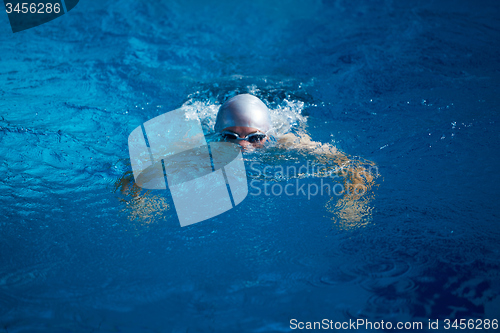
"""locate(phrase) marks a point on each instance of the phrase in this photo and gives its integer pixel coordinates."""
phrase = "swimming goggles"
(252, 138)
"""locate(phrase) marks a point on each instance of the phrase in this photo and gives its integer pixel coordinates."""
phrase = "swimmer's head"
(243, 111)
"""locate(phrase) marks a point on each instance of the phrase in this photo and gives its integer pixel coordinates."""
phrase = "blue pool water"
(411, 87)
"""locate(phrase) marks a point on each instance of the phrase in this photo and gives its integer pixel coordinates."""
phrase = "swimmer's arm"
(356, 178)
(304, 142)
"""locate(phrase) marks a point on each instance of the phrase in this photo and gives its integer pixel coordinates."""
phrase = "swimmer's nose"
(244, 143)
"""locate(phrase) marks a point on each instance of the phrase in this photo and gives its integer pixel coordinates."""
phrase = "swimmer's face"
(256, 141)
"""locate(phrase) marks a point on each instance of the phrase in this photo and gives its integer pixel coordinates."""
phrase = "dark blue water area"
(411, 87)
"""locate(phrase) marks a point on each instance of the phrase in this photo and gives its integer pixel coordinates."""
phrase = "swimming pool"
(410, 87)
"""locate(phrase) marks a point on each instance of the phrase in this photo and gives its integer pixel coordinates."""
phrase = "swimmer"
(244, 119)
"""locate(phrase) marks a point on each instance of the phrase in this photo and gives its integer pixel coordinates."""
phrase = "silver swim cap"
(243, 110)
